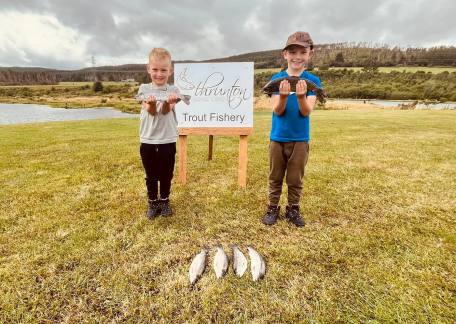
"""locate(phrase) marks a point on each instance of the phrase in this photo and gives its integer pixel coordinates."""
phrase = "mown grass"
(379, 244)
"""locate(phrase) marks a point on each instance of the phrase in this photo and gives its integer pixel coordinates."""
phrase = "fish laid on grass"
(197, 266)
(161, 95)
(239, 261)
(220, 262)
(273, 87)
(257, 264)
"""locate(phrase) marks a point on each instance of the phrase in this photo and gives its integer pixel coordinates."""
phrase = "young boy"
(289, 138)
(158, 132)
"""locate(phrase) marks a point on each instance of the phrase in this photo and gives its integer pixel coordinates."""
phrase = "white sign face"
(221, 94)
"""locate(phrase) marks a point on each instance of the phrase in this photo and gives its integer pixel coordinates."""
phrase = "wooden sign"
(221, 104)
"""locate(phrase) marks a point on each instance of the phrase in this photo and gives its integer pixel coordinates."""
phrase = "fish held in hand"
(273, 87)
(161, 95)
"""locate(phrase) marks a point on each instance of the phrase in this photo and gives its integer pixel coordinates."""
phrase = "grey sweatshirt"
(160, 128)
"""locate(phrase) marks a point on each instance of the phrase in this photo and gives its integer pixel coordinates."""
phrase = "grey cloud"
(188, 27)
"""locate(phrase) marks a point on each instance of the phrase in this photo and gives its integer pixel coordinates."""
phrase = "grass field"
(119, 95)
(379, 244)
(267, 70)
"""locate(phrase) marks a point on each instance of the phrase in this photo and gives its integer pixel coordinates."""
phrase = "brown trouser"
(291, 158)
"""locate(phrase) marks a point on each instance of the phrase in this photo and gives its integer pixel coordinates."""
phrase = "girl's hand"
(301, 89)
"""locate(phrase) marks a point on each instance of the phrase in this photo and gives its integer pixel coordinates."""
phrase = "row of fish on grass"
(221, 263)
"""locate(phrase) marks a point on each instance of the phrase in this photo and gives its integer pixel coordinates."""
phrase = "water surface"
(31, 113)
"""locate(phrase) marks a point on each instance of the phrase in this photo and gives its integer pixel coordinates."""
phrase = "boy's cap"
(299, 38)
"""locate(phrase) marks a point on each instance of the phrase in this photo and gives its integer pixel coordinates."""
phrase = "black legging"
(158, 161)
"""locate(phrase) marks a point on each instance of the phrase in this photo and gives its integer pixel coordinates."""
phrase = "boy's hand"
(151, 99)
(301, 89)
(284, 89)
(151, 105)
(169, 103)
(172, 99)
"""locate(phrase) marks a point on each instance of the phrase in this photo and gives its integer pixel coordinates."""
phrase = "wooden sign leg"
(242, 176)
(182, 159)
(211, 145)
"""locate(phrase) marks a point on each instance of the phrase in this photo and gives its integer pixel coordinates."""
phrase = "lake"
(30, 113)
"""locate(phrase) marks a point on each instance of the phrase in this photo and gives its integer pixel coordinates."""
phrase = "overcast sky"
(65, 34)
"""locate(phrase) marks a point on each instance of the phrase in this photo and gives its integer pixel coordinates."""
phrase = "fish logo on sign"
(183, 82)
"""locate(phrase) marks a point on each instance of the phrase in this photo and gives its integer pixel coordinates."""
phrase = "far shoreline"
(261, 103)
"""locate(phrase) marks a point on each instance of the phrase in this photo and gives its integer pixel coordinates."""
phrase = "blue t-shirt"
(291, 126)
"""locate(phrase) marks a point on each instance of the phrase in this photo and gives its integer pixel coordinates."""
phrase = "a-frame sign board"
(221, 105)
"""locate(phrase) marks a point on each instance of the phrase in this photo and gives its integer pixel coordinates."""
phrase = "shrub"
(97, 86)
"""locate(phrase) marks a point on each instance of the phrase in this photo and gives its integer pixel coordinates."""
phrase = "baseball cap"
(299, 38)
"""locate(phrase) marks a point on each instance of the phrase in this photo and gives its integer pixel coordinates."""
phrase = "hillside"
(326, 55)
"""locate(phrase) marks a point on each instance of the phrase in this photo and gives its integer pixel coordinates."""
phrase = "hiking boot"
(165, 208)
(293, 215)
(271, 215)
(154, 209)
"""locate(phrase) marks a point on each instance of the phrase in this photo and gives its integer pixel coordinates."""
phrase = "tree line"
(326, 55)
(356, 54)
